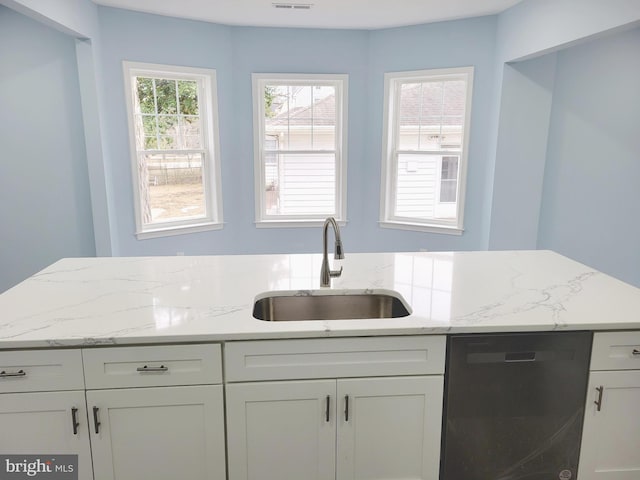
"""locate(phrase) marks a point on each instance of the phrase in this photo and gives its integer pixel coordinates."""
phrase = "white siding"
(416, 185)
(307, 184)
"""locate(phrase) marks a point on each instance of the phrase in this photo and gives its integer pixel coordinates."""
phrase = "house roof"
(430, 103)
(422, 103)
(322, 113)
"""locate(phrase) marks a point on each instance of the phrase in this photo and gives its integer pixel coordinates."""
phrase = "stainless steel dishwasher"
(514, 406)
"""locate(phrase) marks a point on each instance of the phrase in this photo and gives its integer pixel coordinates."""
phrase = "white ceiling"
(356, 14)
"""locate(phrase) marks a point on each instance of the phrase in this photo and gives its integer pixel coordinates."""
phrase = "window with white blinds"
(427, 116)
(300, 148)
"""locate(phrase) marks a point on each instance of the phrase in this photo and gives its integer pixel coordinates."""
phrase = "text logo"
(49, 467)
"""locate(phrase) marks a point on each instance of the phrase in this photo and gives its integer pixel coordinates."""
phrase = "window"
(427, 115)
(300, 148)
(173, 128)
(448, 180)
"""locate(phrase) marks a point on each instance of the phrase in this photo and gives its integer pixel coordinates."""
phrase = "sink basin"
(282, 306)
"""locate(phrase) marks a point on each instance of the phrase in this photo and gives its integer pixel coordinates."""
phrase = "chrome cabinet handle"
(74, 420)
(147, 368)
(598, 401)
(635, 352)
(346, 408)
(19, 373)
(328, 409)
(96, 422)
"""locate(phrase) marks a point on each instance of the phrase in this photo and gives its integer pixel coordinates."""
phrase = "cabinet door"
(162, 433)
(611, 436)
(281, 430)
(391, 428)
(42, 423)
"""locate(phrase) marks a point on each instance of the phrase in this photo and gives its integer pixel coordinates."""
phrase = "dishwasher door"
(514, 406)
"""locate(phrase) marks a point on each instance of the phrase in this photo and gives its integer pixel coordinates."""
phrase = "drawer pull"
(328, 409)
(146, 369)
(74, 420)
(96, 422)
(598, 402)
(19, 373)
(346, 408)
(635, 352)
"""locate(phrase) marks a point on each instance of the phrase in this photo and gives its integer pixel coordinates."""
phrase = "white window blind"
(300, 152)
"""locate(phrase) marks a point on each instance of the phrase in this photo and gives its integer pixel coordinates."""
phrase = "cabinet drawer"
(40, 371)
(334, 357)
(152, 366)
(616, 351)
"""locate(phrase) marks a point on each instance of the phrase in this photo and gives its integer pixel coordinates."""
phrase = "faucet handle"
(335, 273)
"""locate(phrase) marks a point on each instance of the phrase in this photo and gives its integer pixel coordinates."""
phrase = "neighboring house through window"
(173, 127)
(300, 148)
(427, 115)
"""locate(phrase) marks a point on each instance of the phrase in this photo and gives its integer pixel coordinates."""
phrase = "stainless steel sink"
(282, 306)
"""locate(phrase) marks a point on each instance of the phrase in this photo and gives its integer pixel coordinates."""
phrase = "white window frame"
(208, 112)
(392, 84)
(341, 84)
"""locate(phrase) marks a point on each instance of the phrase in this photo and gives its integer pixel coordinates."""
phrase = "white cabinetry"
(159, 433)
(391, 428)
(611, 434)
(172, 429)
(48, 415)
(280, 430)
(149, 412)
(332, 427)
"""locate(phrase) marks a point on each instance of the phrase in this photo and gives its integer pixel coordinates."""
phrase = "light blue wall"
(439, 45)
(79, 20)
(76, 18)
(591, 197)
(236, 52)
(525, 110)
(272, 50)
(156, 39)
(535, 27)
(529, 29)
(45, 207)
(92, 99)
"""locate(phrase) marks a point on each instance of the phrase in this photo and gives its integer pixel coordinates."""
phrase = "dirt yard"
(176, 201)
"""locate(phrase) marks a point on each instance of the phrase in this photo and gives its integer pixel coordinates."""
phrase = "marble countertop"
(140, 300)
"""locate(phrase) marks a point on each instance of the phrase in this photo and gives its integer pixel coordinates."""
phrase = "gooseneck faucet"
(325, 272)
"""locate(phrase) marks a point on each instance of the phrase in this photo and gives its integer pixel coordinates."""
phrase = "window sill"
(420, 227)
(294, 223)
(178, 230)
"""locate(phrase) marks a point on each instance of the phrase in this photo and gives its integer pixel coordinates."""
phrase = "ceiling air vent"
(293, 6)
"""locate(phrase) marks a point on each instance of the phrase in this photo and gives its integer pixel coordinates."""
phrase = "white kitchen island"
(102, 301)
(154, 367)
